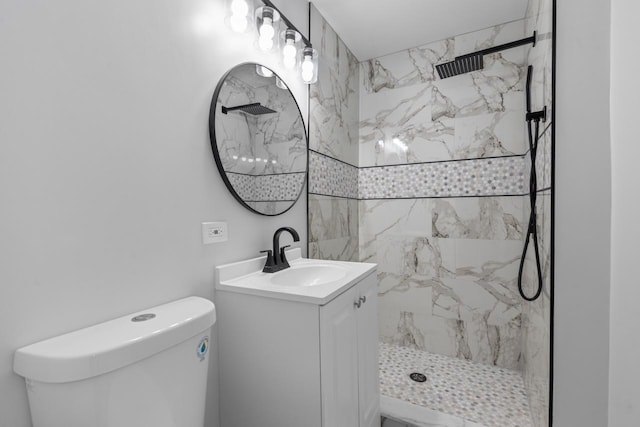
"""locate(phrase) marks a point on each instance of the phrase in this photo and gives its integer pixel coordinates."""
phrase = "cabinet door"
(367, 330)
(339, 361)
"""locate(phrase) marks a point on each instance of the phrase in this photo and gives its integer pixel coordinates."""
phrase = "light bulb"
(238, 23)
(307, 69)
(239, 7)
(289, 62)
(266, 29)
(265, 43)
(289, 50)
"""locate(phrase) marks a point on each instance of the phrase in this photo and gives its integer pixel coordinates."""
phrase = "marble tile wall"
(407, 115)
(333, 143)
(447, 271)
(536, 330)
(333, 228)
(334, 99)
(447, 264)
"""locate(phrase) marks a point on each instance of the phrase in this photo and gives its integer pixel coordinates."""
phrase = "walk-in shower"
(435, 163)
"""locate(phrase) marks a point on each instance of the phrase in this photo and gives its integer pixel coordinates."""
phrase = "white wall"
(583, 193)
(106, 170)
(624, 369)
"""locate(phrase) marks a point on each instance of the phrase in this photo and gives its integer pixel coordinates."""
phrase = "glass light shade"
(266, 29)
(267, 21)
(309, 65)
(289, 39)
(281, 84)
(263, 71)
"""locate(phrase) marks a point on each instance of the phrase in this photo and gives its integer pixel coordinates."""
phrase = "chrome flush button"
(143, 317)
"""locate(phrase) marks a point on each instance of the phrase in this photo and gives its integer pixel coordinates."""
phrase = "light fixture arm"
(306, 41)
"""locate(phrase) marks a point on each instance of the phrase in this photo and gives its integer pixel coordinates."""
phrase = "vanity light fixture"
(267, 19)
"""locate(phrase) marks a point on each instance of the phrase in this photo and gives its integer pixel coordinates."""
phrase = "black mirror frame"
(216, 154)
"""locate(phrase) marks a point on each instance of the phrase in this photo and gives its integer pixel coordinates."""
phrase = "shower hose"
(533, 130)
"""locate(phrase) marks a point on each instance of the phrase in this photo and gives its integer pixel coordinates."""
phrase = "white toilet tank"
(145, 369)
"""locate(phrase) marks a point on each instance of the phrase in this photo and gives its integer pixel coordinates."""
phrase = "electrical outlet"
(214, 232)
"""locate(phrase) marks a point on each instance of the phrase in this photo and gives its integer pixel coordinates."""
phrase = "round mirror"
(258, 139)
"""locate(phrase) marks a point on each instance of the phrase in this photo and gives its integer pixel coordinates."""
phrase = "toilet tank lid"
(111, 345)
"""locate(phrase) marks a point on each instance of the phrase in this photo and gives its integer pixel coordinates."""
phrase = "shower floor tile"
(488, 395)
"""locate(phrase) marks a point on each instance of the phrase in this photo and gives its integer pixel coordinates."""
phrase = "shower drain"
(418, 377)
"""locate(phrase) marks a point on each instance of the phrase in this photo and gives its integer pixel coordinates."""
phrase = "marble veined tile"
(498, 87)
(490, 135)
(405, 68)
(396, 127)
(334, 99)
(391, 217)
(332, 218)
(494, 36)
(340, 249)
(415, 255)
(496, 218)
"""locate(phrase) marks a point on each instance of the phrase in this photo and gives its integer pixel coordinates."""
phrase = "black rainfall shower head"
(473, 61)
(462, 64)
(255, 109)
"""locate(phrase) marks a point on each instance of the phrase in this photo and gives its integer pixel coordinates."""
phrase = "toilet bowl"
(144, 369)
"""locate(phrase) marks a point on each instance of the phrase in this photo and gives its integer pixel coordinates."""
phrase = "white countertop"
(246, 277)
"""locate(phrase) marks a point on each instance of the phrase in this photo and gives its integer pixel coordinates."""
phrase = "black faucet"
(276, 259)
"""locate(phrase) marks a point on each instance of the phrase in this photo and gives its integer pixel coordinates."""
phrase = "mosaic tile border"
(267, 188)
(331, 177)
(479, 177)
(497, 176)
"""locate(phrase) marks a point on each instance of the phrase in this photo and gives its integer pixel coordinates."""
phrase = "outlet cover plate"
(214, 232)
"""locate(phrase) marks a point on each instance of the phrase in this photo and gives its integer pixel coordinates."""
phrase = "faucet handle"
(270, 264)
(283, 258)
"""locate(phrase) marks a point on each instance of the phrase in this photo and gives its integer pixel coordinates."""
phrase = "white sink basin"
(309, 275)
(307, 280)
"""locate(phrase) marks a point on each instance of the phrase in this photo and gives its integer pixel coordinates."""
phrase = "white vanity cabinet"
(298, 363)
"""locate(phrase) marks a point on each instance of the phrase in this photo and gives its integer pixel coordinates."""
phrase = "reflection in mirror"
(258, 139)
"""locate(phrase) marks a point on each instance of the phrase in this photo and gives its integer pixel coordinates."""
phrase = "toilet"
(145, 369)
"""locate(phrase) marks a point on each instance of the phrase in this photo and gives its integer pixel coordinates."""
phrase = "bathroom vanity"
(298, 347)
